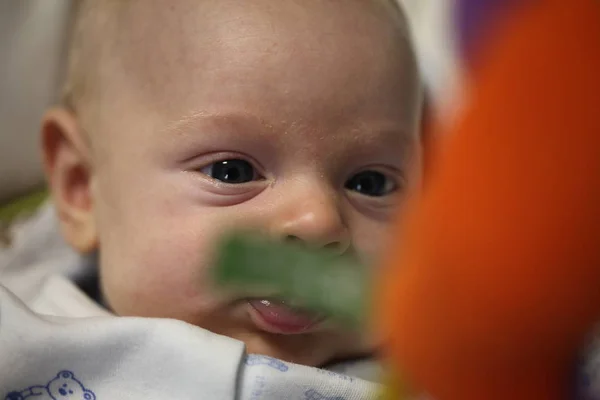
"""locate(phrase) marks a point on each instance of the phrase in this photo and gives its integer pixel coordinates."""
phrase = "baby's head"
(185, 119)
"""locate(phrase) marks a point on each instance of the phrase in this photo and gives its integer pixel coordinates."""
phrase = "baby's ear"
(66, 161)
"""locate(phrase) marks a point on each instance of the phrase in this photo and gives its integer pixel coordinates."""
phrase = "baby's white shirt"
(64, 341)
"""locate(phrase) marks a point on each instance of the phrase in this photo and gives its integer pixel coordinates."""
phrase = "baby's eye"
(371, 183)
(234, 171)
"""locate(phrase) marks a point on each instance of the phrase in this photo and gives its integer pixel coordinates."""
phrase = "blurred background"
(32, 53)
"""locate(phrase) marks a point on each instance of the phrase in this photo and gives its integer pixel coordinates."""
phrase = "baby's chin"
(313, 349)
(315, 345)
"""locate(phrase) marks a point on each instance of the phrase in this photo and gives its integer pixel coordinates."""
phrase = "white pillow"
(33, 36)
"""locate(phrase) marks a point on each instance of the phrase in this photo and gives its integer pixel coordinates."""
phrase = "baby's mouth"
(274, 316)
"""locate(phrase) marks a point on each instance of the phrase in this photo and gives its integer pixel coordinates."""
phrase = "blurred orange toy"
(498, 287)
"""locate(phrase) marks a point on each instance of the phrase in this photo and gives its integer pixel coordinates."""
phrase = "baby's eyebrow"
(366, 136)
(188, 123)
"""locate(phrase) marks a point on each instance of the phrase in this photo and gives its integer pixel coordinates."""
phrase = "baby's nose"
(314, 223)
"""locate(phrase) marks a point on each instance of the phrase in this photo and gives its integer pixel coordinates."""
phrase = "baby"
(185, 119)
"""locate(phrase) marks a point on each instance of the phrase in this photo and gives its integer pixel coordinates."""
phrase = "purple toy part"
(472, 17)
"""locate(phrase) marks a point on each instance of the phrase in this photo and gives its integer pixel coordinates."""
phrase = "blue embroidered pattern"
(336, 375)
(256, 359)
(312, 394)
(63, 387)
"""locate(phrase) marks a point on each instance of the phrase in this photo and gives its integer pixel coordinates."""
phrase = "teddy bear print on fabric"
(63, 387)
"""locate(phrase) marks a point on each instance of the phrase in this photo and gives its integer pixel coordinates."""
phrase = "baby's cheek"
(369, 239)
(178, 266)
(162, 274)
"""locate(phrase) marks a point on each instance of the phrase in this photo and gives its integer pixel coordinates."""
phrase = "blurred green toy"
(316, 280)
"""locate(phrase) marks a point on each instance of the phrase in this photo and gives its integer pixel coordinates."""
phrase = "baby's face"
(297, 119)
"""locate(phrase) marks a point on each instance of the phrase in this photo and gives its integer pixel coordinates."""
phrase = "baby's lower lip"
(274, 316)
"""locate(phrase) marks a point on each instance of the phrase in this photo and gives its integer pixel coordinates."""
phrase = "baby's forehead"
(163, 34)
(160, 51)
